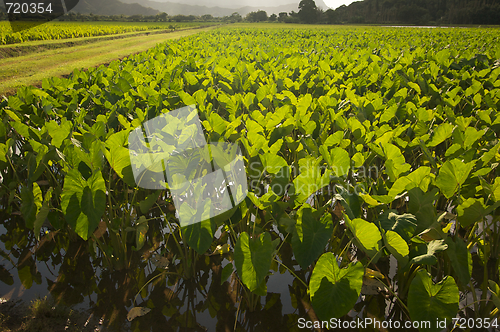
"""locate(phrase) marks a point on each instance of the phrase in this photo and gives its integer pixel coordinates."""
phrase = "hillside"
(232, 3)
(418, 12)
(174, 8)
(112, 7)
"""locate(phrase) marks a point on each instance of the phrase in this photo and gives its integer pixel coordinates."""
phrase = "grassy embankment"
(42, 59)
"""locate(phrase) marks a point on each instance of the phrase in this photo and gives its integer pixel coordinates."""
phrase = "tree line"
(161, 17)
(417, 12)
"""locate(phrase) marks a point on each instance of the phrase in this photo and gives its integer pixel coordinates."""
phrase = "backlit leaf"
(333, 290)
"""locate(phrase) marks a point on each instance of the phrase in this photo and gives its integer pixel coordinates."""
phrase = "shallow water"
(66, 271)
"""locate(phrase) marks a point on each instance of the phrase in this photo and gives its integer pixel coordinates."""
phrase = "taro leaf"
(397, 246)
(253, 257)
(338, 159)
(142, 228)
(119, 159)
(460, 258)
(470, 211)
(404, 224)
(94, 157)
(5, 276)
(442, 57)
(83, 202)
(56, 219)
(418, 178)
(434, 232)
(341, 162)
(31, 204)
(441, 133)
(137, 312)
(310, 179)
(272, 163)
(280, 181)
(262, 289)
(471, 136)
(495, 189)
(255, 141)
(428, 258)
(42, 214)
(226, 272)
(199, 235)
(350, 203)
(118, 139)
(495, 292)
(84, 170)
(395, 161)
(422, 206)
(432, 302)
(3, 153)
(452, 175)
(58, 132)
(312, 232)
(150, 200)
(334, 291)
(25, 276)
(367, 236)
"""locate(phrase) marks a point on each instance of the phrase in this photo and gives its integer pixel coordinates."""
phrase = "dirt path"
(31, 69)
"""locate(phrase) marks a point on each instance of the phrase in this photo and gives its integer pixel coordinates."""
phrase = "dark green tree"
(257, 16)
(282, 17)
(308, 12)
(330, 16)
(236, 17)
(163, 17)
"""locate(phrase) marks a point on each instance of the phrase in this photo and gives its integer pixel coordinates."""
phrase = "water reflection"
(185, 291)
(77, 273)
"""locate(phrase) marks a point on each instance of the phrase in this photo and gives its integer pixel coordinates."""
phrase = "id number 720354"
(28, 8)
(473, 323)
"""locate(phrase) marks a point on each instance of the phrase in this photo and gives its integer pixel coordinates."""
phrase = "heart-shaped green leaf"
(83, 201)
(253, 257)
(334, 291)
(199, 235)
(312, 232)
(397, 246)
(432, 302)
(367, 236)
(31, 203)
(452, 175)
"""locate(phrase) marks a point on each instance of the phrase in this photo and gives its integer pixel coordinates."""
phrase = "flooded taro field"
(258, 179)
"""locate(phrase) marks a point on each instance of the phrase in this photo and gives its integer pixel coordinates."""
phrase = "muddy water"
(69, 270)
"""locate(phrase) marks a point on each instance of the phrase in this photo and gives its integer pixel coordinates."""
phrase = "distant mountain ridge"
(173, 8)
(112, 7)
(235, 4)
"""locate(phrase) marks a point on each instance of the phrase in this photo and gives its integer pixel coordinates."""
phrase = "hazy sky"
(336, 3)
